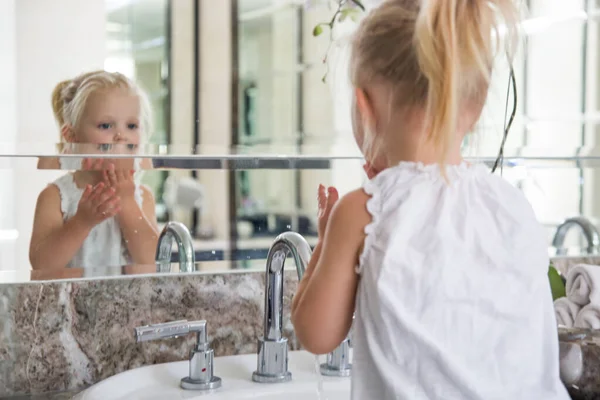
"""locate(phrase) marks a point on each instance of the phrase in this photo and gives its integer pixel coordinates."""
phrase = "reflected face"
(112, 121)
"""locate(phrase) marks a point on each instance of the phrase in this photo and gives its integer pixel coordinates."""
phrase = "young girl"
(443, 263)
(97, 216)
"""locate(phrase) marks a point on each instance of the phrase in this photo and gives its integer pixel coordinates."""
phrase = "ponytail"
(455, 53)
(58, 102)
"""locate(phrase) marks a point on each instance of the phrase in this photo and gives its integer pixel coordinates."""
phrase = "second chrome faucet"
(272, 362)
(590, 232)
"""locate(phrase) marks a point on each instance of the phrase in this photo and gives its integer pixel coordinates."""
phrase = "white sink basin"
(162, 382)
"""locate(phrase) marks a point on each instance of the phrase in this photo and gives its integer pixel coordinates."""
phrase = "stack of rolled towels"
(581, 307)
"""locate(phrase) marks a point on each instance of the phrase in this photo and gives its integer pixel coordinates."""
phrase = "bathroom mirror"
(244, 128)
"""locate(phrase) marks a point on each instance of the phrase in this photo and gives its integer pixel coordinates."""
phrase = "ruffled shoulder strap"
(374, 209)
(70, 195)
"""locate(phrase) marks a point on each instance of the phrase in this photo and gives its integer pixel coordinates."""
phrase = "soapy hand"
(326, 201)
(121, 181)
(116, 177)
(97, 204)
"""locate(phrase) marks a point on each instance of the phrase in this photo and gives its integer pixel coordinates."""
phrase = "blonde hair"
(70, 97)
(433, 54)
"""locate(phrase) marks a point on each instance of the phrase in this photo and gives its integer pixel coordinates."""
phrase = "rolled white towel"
(566, 311)
(583, 284)
(588, 317)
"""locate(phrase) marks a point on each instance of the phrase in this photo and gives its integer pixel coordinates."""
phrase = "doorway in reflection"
(271, 70)
(138, 46)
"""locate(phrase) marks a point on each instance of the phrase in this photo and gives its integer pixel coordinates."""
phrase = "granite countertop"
(45, 396)
(60, 337)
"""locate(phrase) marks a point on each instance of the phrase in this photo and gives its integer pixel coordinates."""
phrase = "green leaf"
(343, 15)
(351, 13)
(556, 283)
(317, 30)
(359, 4)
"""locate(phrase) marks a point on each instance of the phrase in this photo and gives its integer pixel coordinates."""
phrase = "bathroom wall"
(8, 116)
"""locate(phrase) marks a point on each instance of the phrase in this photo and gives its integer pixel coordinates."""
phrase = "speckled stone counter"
(67, 335)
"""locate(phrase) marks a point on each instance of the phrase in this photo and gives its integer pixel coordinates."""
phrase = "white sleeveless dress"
(453, 300)
(104, 248)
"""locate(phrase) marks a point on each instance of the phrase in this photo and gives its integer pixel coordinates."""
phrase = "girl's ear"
(67, 133)
(363, 103)
(366, 123)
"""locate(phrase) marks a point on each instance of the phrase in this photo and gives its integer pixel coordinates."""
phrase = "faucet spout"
(175, 232)
(272, 365)
(288, 243)
(589, 231)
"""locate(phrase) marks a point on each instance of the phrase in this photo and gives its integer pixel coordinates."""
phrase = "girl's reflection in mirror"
(99, 214)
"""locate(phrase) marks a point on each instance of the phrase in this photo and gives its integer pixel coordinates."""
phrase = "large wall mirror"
(243, 128)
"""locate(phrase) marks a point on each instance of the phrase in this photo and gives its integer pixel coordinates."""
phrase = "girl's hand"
(97, 204)
(370, 170)
(121, 180)
(326, 200)
(93, 164)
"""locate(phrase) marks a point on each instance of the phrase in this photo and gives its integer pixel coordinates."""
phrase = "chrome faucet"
(272, 363)
(201, 357)
(178, 232)
(589, 231)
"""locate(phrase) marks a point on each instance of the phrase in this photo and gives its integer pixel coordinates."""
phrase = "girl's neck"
(424, 153)
(412, 146)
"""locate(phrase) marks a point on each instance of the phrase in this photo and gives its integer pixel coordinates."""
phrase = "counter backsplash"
(67, 335)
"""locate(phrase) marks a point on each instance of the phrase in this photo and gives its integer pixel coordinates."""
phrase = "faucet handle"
(201, 357)
(162, 331)
(338, 361)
